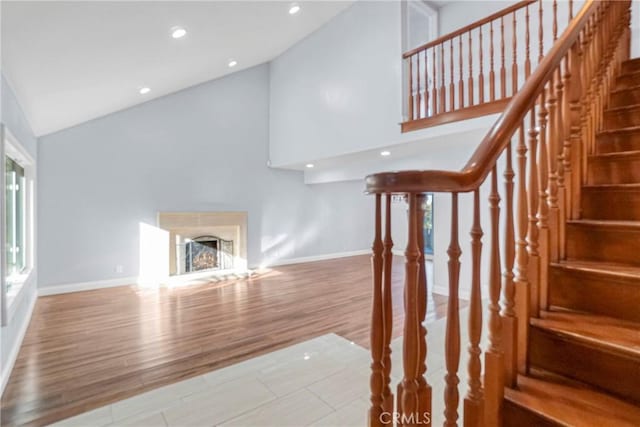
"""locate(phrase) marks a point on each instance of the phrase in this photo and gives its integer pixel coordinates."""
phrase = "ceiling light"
(233, 63)
(310, 165)
(178, 32)
(144, 90)
(294, 9)
(385, 153)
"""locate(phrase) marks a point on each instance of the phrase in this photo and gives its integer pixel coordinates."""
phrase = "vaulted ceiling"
(70, 62)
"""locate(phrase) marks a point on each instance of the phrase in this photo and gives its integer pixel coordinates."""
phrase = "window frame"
(11, 147)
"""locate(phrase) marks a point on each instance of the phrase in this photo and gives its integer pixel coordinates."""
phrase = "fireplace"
(202, 242)
(207, 253)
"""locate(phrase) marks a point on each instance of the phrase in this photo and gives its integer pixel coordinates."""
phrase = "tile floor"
(320, 382)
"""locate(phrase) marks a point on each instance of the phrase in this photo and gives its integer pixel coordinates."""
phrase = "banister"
(465, 29)
(492, 145)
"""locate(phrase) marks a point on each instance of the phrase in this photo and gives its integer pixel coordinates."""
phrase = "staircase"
(560, 170)
(584, 359)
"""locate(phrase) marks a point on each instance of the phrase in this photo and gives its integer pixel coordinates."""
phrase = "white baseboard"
(444, 290)
(13, 355)
(323, 257)
(86, 286)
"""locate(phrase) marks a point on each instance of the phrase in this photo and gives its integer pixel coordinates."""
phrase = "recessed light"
(310, 165)
(385, 153)
(144, 90)
(233, 63)
(178, 32)
(294, 9)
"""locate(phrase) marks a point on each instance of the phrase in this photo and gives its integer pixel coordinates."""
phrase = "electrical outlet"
(119, 269)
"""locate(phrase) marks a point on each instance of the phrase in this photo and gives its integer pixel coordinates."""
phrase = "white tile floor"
(320, 382)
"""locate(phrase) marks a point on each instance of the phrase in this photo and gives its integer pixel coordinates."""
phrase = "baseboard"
(13, 355)
(300, 260)
(86, 286)
(444, 290)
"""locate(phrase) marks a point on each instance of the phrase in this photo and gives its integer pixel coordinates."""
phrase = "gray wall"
(201, 149)
(10, 336)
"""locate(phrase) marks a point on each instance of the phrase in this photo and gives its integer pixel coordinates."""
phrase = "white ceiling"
(70, 62)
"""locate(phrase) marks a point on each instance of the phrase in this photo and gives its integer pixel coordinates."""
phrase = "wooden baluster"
(555, 20)
(460, 75)
(527, 43)
(424, 389)
(434, 90)
(418, 95)
(514, 66)
(470, 79)
(522, 275)
(570, 108)
(492, 74)
(443, 90)
(474, 401)
(408, 388)
(387, 294)
(570, 11)
(562, 133)
(377, 325)
(410, 98)
(452, 340)
(426, 85)
(543, 207)
(452, 90)
(481, 67)
(509, 325)
(494, 357)
(540, 32)
(553, 138)
(503, 71)
(532, 237)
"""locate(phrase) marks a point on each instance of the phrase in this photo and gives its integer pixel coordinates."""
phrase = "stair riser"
(604, 244)
(516, 415)
(621, 119)
(613, 372)
(630, 66)
(625, 81)
(630, 96)
(615, 142)
(596, 293)
(611, 205)
(618, 170)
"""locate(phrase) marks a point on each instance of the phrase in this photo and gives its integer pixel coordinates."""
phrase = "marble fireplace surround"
(225, 225)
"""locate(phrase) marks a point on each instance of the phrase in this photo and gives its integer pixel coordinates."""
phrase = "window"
(15, 214)
(17, 255)
(427, 227)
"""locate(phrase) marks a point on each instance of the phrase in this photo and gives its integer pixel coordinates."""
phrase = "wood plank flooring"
(88, 349)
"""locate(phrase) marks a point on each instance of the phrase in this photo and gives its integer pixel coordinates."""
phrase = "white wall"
(20, 314)
(339, 90)
(201, 149)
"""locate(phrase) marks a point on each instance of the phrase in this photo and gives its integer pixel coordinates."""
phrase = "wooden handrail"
(550, 124)
(472, 26)
(494, 143)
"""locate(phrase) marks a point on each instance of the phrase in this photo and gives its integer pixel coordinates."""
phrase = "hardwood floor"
(88, 349)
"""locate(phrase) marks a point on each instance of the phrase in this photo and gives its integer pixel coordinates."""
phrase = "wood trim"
(455, 116)
(472, 26)
(491, 147)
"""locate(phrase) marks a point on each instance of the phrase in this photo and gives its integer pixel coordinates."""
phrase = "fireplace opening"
(207, 253)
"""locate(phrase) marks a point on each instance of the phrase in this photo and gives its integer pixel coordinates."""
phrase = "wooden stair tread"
(610, 269)
(624, 89)
(623, 107)
(620, 130)
(615, 155)
(631, 225)
(623, 186)
(619, 336)
(570, 404)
